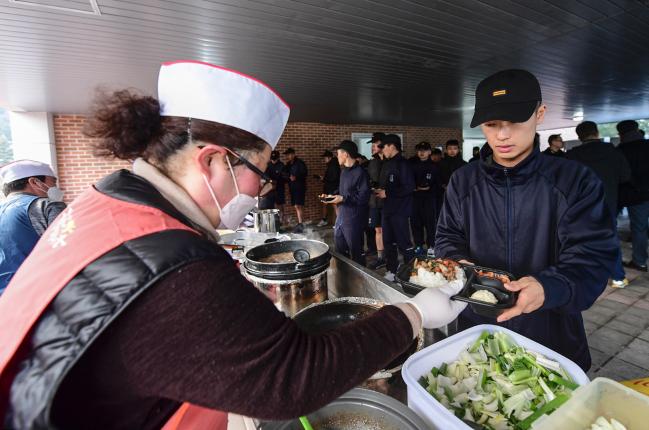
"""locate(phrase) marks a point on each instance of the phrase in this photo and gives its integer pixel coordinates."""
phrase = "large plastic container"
(602, 397)
(419, 364)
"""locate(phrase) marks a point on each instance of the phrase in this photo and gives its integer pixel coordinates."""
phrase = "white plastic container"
(419, 364)
(602, 397)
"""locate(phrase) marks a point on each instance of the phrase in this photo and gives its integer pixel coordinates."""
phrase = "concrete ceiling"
(354, 61)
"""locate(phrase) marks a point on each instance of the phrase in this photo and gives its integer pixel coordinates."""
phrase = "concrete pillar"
(33, 137)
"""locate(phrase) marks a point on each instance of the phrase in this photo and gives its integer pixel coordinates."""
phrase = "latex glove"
(436, 307)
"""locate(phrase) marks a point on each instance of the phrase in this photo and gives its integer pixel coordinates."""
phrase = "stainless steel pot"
(292, 285)
(358, 409)
(267, 221)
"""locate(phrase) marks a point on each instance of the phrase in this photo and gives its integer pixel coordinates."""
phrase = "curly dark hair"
(128, 125)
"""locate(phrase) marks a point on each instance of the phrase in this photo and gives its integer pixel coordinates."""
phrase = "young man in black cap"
(274, 198)
(297, 174)
(636, 197)
(353, 198)
(542, 219)
(376, 204)
(424, 212)
(331, 181)
(555, 146)
(397, 187)
(451, 161)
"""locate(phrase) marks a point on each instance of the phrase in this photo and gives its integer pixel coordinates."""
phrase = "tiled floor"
(618, 329)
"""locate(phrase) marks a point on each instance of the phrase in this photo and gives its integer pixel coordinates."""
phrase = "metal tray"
(358, 409)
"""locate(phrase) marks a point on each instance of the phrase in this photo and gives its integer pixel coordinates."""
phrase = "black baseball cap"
(327, 153)
(392, 139)
(623, 127)
(423, 146)
(289, 151)
(510, 95)
(377, 137)
(349, 147)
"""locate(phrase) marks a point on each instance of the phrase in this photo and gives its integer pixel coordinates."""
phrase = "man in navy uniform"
(352, 199)
(544, 219)
(424, 219)
(297, 174)
(397, 188)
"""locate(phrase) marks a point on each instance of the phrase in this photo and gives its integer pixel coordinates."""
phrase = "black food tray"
(506, 299)
(404, 271)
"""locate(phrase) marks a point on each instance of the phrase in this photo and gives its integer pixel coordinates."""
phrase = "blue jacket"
(398, 180)
(355, 190)
(17, 233)
(544, 218)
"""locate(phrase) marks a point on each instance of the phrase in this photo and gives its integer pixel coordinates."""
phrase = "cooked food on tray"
(502, 278)
(280, 257)
(499, 384)
(603, 424)
(436, 272)
(485, 296)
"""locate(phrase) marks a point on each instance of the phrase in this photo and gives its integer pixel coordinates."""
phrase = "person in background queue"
(424, 212)
(555, 146)
(612, 169)
(397, 188)
(275, 172)
(451, 162)
(128, 314)
(544, 220)
(353, 199)
(331, 183)
(635, 196)
(269, 190)
(376, 204)
(436, 158)
(32, 203)
(476, 154)
(297, 174)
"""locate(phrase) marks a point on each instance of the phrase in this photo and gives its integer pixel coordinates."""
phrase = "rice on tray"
(437, 273)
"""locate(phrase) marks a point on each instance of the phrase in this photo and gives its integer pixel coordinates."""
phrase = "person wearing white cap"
(32, 203)
(128, 314)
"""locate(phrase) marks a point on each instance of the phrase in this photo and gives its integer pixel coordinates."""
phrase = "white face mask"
(233, 213)
(53, 193)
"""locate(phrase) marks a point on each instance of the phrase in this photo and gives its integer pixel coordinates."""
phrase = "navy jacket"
(398, 180)
(355, 190)
(298, 169)
(331, 177)
(544, 218)
(426, 175)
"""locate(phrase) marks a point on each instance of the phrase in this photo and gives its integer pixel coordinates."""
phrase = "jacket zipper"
(509, 235)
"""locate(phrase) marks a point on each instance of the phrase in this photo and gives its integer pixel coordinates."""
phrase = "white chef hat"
(22, 169)
(204, 91)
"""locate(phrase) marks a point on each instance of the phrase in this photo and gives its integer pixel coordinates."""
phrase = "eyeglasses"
(250, 166)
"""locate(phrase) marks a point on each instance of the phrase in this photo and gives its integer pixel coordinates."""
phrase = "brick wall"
(78, 168)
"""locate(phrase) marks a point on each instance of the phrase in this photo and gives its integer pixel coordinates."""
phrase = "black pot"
(316, 261)
(331, 314)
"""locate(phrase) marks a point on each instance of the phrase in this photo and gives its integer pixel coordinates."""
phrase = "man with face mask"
(32, 202)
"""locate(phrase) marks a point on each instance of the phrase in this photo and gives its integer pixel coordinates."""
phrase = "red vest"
(91, 226)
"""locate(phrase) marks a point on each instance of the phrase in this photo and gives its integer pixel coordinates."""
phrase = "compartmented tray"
(405, 270)
(493, 284)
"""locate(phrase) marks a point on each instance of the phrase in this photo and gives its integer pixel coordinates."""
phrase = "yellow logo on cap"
(499, 93)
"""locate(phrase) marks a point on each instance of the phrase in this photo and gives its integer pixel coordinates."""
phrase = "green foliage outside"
(6, 153)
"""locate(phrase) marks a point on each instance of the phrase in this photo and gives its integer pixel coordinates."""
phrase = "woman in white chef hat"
(127, 314)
